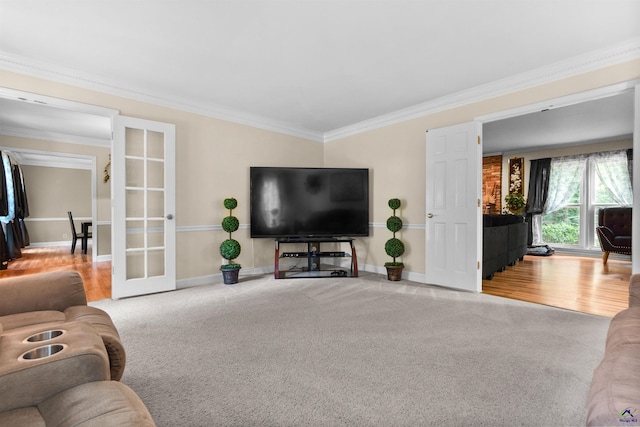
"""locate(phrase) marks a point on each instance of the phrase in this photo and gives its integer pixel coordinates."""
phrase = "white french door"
(143, 235)
(453, 222)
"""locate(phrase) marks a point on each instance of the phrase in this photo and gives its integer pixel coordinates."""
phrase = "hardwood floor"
(96, 276)
(571, 282)
(566, 281)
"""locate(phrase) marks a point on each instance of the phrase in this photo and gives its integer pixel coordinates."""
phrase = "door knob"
(429, 215)
(169, 216)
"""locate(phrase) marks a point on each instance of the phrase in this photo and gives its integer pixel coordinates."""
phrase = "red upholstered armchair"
(614, 231)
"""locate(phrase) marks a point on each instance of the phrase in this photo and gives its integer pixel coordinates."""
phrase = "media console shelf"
(314, 255)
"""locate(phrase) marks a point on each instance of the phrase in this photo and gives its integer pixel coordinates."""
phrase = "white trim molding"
(592, 61)
(64, 75)
(565, 101)
(64, 104)
(53, 136)
(623, 52)
(51, 159)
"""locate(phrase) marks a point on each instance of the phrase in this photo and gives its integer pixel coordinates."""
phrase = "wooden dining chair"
(76, 236)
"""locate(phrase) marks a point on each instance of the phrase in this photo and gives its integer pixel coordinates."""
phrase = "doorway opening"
(573, 116)
(48, 135)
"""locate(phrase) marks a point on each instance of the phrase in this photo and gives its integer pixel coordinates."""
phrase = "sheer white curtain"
(612, 168)
(565, 177)
(536, 230)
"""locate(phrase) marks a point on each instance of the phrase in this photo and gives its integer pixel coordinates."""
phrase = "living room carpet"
(355, 352)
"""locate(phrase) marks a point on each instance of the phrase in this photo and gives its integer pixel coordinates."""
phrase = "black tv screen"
(309, 202)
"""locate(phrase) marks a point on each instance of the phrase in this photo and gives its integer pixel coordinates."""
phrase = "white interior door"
(143, 163)
(453, 222)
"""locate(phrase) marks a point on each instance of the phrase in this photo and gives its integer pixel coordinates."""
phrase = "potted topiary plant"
(515, 203)
(230, 248)
(394, 246)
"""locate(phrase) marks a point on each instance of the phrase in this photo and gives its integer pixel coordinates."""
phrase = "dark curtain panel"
(26, 239)
(4, 198)
(21, 207)
(21, 193)
(538, 190)
(4, 250)
(14, 240)
(4, 211)
(630, 164)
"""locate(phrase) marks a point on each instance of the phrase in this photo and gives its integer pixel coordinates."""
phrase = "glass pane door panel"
(145, 206)
(135, 235)
(135, 265)
(155, 145)
(156, 262)
(144, 196)
(135, 203)
(155, 204)
(135, 142)
(155, 234)
(134, 172)
(155, 174)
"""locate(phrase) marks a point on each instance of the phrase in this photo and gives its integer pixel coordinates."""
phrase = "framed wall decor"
(516, 175)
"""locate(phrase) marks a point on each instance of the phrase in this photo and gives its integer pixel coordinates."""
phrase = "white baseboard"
(45, 244)
(217, 278)
(406, 275)
(260, 271)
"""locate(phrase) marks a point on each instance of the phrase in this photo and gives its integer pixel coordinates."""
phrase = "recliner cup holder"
(45, 335)
(42, 352)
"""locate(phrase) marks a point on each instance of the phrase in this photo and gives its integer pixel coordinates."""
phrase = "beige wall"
(39, 179)
(52, 192)
(213, 159)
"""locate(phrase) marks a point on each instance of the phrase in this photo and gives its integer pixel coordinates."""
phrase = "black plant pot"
(230, 275)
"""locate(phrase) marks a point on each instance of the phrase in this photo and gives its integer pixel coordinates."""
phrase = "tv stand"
(314, 255)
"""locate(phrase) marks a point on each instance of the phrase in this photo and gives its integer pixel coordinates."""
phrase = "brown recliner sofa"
(614, 396)
(614, 231)
(59, 358)
(56, 297)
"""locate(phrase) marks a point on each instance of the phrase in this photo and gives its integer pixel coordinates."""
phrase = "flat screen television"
(309, 202)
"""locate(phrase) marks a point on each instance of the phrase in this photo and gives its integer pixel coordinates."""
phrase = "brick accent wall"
(492, 184)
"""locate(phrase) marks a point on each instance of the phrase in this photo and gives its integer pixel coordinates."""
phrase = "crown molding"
(54, 136)
(63, 104)
(627, 51)
(564, 101)
(63, 75)
(25, 156)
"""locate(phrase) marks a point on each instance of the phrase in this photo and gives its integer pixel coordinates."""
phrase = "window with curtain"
(561, 215)
(579, 186)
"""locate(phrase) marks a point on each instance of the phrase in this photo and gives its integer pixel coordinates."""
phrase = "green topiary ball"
(394, 224)
(394, 203)
(230, 203)
(394, 247)
(230, 249)
(230, 224)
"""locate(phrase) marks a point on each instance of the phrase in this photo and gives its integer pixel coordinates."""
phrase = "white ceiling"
(23, 114)
(308, 67)
(595, 121)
